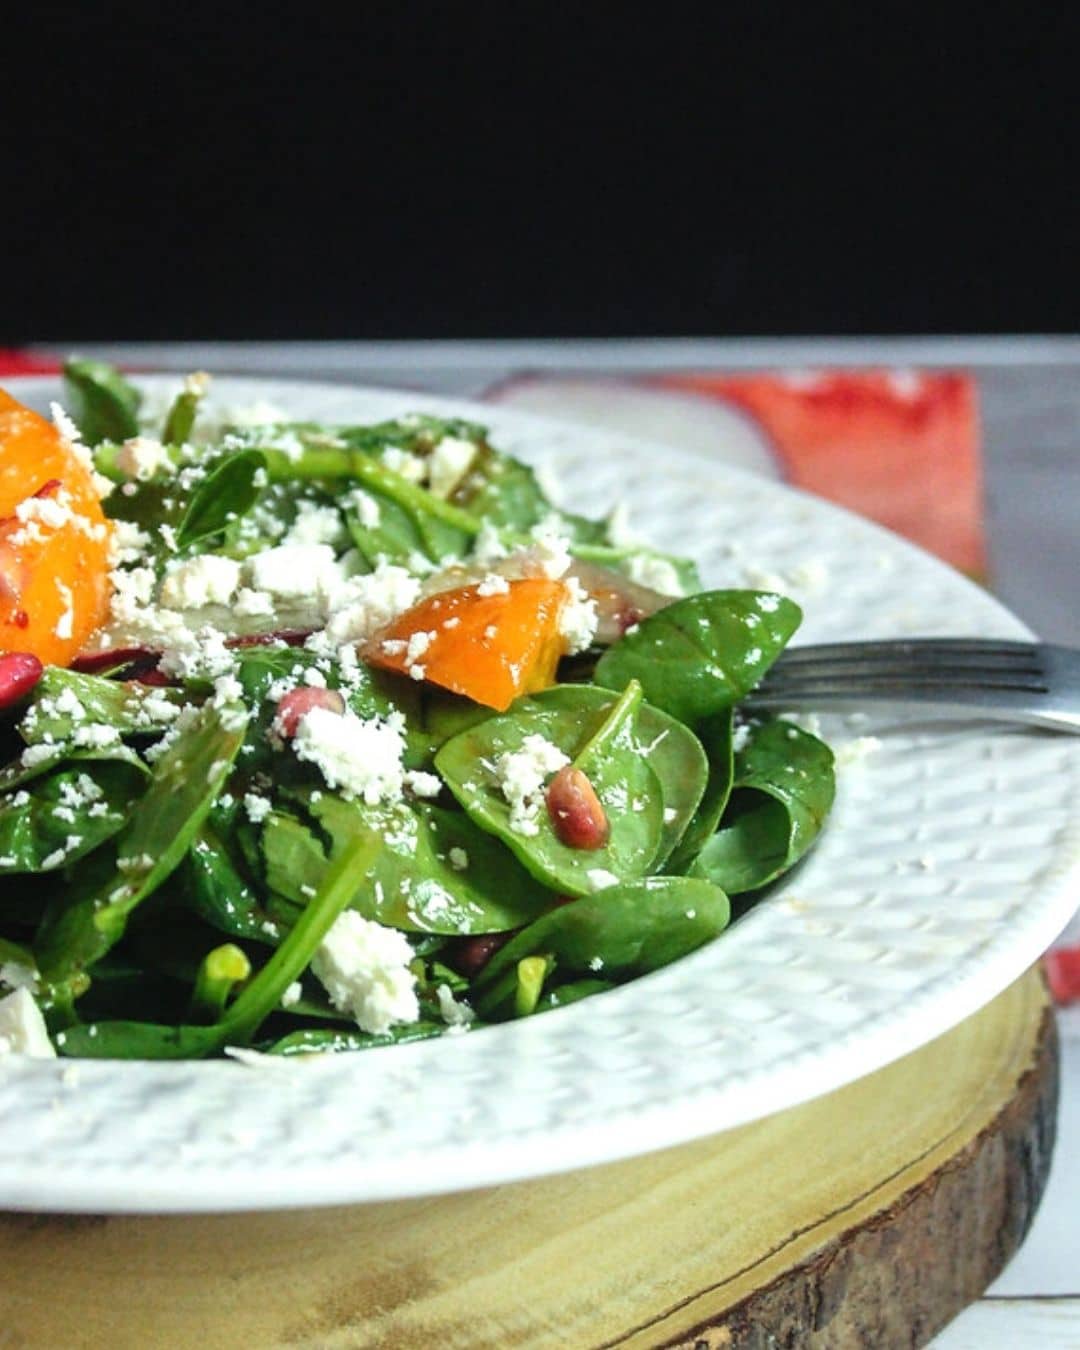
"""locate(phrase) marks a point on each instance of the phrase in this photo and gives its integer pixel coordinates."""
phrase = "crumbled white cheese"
(448, 464)
(521, 775)
(314, 524)
(578, 619)
(142, 457)
(454, 1014)
(249, 603)
(493, 584)
(655, 573)
(599, 878)
(551, 548)
(361, 757)
(364, 968)
(367, 509)
(403, 462)
(65, 624)
(22, 1027)
(208, 579)
(365, 604)
(257, 808)
(52, 512)
(290, 996)
(17, 976)
(740, 736)
(488, 547)
(295, 570)
(422, 784)
(127, 543)
(194, 654)
(459, 859)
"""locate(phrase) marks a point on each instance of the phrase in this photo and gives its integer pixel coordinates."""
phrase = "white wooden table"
(1030, 402)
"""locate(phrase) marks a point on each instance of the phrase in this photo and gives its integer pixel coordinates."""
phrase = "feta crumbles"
(365, 969)
(521, 776)
(359, 757)
(208, 579)
(22, 1026)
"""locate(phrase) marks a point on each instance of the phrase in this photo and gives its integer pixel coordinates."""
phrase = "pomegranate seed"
(575, 810)
(1062, 966)
(19, 672)
(297, 702)
(469, 955)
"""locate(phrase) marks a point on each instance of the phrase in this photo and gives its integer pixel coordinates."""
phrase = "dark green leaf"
(414, 883)
(66, 814)
(229, 490)
(699, 656)
(101, 402)
(81, 924)
(64, 701)
(620, 933)
(784, 787)
(604, 745)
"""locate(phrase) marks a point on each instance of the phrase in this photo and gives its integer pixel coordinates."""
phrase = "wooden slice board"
(867, 1218)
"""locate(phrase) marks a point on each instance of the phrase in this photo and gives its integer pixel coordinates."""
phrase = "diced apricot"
(54, 540)
(490, 647)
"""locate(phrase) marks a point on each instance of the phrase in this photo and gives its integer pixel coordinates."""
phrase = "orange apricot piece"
(489, 645)
(54, 540)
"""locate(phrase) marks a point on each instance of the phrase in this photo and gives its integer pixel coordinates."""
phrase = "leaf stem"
(263, 994)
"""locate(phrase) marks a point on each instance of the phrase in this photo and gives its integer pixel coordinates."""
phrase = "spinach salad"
(369, 743)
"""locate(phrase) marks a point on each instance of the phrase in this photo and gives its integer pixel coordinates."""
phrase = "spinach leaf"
(102, 403)
(620, 933)
(674, 753)
(716, 737)
(66, 700)
(784, 787)
(210, 885)
(82, 924)
(66, 814)
(39, 760)
(334, 1040)
(395, 537)
(228, 491)
(436, 872)
(261, 997)
(700, 655)
(604, 745)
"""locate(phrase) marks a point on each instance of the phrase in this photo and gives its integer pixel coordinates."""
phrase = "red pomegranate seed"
(576, 813)
(1062, 968)
(293, 705)
(19, 672)
(469, 955)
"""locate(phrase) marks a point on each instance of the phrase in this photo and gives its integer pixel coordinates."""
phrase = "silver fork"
(1011, 681)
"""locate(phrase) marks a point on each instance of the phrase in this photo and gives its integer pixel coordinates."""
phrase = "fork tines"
(906, 666)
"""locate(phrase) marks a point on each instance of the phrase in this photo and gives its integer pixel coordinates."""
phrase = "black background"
(455, 171)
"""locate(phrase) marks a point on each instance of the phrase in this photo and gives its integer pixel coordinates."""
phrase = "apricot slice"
(490, 644)
(54, 540)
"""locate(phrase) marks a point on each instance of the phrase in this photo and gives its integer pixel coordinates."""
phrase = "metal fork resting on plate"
(1011, 681)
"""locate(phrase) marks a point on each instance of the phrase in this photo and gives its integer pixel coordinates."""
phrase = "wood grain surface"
(867, 1218)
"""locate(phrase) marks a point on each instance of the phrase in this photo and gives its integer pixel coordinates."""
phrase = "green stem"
(334, 462)
(220, 971)
(622, 711)
(263, 994)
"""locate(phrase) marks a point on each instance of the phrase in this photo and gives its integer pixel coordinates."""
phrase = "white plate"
(950, 863)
